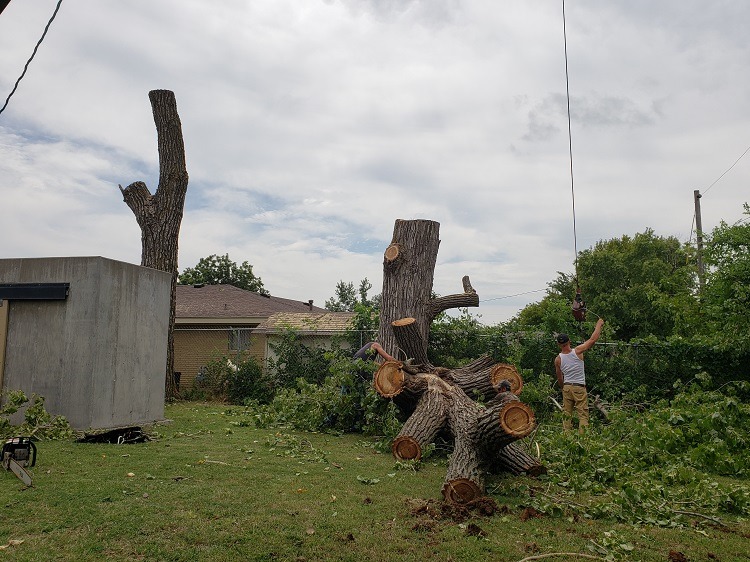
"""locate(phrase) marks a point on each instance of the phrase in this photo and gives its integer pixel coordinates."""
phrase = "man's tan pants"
(575, 397)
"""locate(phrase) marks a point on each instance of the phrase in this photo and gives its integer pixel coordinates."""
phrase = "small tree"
(220, 270)
(347, 297)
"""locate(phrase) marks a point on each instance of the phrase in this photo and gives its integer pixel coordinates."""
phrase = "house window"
(239, 339)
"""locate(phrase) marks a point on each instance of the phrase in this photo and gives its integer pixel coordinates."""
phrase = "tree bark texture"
(434, 400)
(435, 403)
(515, 460)
(423, 425)
(408, 273)
(160, 215)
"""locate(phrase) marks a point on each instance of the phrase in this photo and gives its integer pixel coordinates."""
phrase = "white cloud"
(310, 127)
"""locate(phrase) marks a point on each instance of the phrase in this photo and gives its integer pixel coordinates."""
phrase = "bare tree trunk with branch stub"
(160, 215)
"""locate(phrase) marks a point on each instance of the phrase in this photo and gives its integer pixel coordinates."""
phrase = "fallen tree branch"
(694, 514)
(556, 554)
(556, 403)
(559, 499)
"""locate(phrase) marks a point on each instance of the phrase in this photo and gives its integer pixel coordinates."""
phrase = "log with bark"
(464, 402)
(480, 432)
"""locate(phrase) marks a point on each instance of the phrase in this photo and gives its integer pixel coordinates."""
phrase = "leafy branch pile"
(38, 422)
(661, 466)
(343, 401)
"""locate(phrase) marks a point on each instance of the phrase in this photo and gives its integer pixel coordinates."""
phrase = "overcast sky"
(310, 126)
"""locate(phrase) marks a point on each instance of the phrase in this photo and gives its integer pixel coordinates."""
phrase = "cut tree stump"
(463, 403)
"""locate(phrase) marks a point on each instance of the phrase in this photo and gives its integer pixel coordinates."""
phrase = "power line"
(511, 296)
(26, 66)
(727, 170)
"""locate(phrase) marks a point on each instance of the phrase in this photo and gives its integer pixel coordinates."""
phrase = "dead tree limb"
(160, 215)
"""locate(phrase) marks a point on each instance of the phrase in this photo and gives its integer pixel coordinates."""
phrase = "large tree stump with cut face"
(464, 402)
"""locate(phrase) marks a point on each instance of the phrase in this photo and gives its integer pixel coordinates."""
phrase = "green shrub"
(652, 465)
(223, 380)
(247, 382)
(344, 402)
(294, 360)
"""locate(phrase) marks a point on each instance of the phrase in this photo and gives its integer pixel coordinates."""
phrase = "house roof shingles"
(325, 322)
(228, 301)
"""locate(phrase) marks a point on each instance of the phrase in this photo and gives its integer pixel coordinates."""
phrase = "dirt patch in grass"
(435, 510)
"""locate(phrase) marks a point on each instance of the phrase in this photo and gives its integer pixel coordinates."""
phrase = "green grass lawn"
(213, 487)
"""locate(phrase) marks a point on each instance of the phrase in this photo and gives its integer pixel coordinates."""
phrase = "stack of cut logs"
(465, 403)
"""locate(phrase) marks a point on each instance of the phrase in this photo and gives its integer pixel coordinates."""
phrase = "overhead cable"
(727, 171)
(15, 87)
(516, 295)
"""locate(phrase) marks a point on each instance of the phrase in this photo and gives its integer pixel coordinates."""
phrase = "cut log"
(480, 378)
(393, 381)
(461, 490)
(464, 478)
(505, 371)
(517, 420)
(515, 460)
(502, 422)
(422, 427)
(388, 380)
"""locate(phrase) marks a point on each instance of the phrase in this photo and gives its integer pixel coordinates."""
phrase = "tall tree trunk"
(408, 273)
(160, 215)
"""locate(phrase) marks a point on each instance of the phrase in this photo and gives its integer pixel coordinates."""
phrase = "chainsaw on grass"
(17, 454)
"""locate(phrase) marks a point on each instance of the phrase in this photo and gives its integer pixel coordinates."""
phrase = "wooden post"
(699, 239)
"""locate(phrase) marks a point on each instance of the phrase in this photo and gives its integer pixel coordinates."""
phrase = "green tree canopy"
(220, 270)
(347, 297)
(726, 296)
(642, 285)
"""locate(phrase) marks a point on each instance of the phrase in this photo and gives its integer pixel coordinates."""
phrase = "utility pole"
(699, 239)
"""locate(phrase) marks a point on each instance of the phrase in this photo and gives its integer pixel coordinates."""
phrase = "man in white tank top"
(571, 377)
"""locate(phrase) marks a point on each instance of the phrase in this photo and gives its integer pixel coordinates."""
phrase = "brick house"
(213, 321)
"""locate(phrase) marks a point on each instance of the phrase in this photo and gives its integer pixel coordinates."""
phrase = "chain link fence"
(197, 347)
(610, 366)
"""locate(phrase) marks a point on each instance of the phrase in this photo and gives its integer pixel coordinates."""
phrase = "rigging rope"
(570, 142)
(579, 306)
